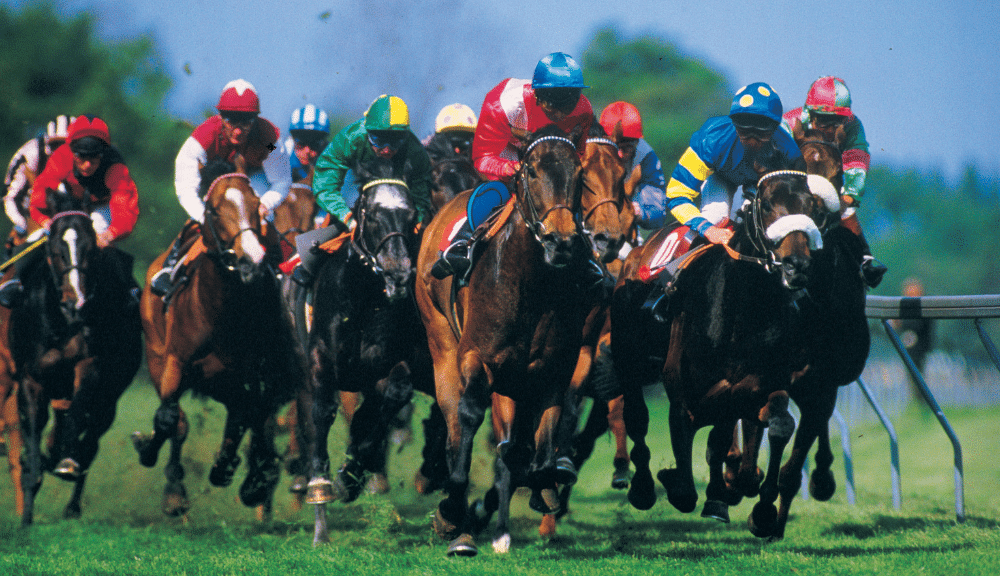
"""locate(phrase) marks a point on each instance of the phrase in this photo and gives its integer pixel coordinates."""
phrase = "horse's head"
(232, 229)
(822, 156)
(780, 224)
(548, 192)
(603, 202)
(386, 237)
(71, 247)
(450, 176)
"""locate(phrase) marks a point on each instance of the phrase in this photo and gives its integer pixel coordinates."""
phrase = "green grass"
(123, 531)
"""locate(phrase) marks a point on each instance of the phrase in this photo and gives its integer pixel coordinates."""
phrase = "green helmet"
(387, 113)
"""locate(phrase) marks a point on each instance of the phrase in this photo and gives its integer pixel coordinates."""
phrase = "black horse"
(725, 346)
(76, 343)
(366, 337)
(451, 174)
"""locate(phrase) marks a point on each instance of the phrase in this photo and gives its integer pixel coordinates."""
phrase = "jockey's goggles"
(558, 97)
(753, 126)
(828, 120)
(386, 141)
(316, 144)
(239, 119)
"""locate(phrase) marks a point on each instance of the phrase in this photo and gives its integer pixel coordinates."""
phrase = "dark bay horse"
(449, 176)
(75, 343)
(726, 346)
(227, 335)
(510, 338)
(366, 337)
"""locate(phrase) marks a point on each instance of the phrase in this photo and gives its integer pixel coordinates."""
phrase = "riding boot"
(454, 260)
(12, 291)
(162, 282)
(595, 280)
(872, 270)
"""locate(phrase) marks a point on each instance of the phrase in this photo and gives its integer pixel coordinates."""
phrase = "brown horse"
(512, 335)
(296, 214)
(206, 341)
(725, 346)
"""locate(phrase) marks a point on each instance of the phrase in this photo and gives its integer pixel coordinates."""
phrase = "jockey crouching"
(511, 110)
(90, 165)
(236, 130)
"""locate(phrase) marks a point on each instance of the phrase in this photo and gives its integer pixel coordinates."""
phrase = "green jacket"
(351, 146)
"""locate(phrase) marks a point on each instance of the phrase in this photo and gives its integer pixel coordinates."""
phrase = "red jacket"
(111, 184)
(510, 111)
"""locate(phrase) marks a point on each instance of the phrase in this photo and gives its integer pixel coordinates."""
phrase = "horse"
(511, 337)
(835, 335)
(366, 337)
(296, 214)
(75, 343)
(724, 346)
(451, 175)
(204, 340)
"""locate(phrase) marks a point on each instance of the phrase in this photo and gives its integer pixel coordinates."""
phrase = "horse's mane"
(597, 131)
(213, 170)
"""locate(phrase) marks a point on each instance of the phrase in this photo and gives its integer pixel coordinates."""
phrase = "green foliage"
(68, 70)
(674, 93)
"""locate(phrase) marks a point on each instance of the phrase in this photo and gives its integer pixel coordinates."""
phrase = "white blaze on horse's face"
(251, 245)
(70, 237)
(391, 198)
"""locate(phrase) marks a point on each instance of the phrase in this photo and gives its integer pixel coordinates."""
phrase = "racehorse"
(511, 336)
(366, 336)
(725, 346)
(296, 214)
(205, 340)
(449, 176)
(75, 343)
(835, 336)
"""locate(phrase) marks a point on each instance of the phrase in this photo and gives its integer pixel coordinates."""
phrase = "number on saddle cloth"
(486, 198)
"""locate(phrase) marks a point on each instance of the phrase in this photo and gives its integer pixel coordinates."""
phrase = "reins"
(534, 223)
(612, 201)
(224, 248)
(369, 256)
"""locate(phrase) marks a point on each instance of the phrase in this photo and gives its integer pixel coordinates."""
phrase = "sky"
(924, 75)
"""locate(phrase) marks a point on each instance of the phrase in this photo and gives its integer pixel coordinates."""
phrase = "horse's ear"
(798, 132)
(576, 134)
(840, 136)
(240, 162)
(619, 132)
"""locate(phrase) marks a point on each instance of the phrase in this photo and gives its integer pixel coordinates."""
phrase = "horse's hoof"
(621, 477)
(141, 442)
(642, 492)
(258, 486)
(544, 501)
(761, 521)
(175, 502)
(68, 469)
(566, 472)
(72, 512)
(463, 546)
(501, 544)
(479, 516)
(680, 490)
(377, 484)
(822, 485)
(445, 529)
(547, 529)
(319, 491)
(299, 485)
(347, 486)
(716, 509)
(222, 472)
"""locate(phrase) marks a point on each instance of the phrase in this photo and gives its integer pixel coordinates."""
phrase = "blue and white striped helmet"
(310, 117)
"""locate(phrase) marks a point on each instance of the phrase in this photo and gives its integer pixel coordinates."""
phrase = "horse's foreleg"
(503, 413)
(433, 472)
(15, 446)
(544, 471)
(33, 415)
(175, 502)
(227, 460)
(716, 494)
(264, 470)
(641, 493)
(821, 482)
(318, 409)
(679, 481)
(167, 417)
(780, 426)
(73, 509)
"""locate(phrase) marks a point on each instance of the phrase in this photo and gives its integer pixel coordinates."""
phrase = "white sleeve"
(18, 189)
(187, 178)
(278, 169)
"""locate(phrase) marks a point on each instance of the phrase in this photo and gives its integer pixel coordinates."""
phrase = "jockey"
(309, 133)
(26, 164)
(454, 129)
(236, 130)
(383, 131)
(728, 152)
(622, 122)
(88, 165)
(513, 109)
(828, 110)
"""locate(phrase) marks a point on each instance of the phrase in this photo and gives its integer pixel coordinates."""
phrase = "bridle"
(532, 219)
(227, 255)
(368, 256)
(612, 201)
(75, 264)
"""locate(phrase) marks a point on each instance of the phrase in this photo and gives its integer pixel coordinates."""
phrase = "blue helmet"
(558, 70)
(758, 99)
(310, 117)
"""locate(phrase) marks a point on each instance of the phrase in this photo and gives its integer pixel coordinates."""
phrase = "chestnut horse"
(206, 341)
(75, 344)
(725, 347)
(512, 335)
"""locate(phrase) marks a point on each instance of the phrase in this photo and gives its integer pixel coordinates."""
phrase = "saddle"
(677, 251)
(489, 207)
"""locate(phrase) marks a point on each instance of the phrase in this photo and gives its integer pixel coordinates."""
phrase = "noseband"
(369, 257)
(533, 220)
(225, 249)
(612, 201)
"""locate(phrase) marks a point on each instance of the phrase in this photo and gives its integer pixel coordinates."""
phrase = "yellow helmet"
(455, 117)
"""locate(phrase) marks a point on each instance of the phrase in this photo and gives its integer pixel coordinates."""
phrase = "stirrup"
(11, 293)
(453, 261)
(161, 283)
(872, 270)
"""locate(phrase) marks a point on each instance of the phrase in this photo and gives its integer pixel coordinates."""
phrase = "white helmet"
(58, 129)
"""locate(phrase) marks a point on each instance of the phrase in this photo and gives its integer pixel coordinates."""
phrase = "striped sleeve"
(684, 189)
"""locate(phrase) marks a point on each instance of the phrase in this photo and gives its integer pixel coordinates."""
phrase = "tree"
(674, 93)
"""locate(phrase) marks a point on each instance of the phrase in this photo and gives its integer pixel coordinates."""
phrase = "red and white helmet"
(239, 96)
(625, 114)
(829, 95)
(89, 125)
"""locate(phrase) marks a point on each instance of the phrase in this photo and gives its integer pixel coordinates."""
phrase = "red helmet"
(625, 114)
(239, 96)
(89, 125)
(829, 95)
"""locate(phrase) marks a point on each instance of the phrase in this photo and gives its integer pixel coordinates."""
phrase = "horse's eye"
(765, 205)
(531, 171)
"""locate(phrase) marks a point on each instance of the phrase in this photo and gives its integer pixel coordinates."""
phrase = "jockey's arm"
(684, 190)
(420, 181)
(328, 176)
(493, 135)
(277, 168)
(187, 178)
(124, 204)
(18, 181)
